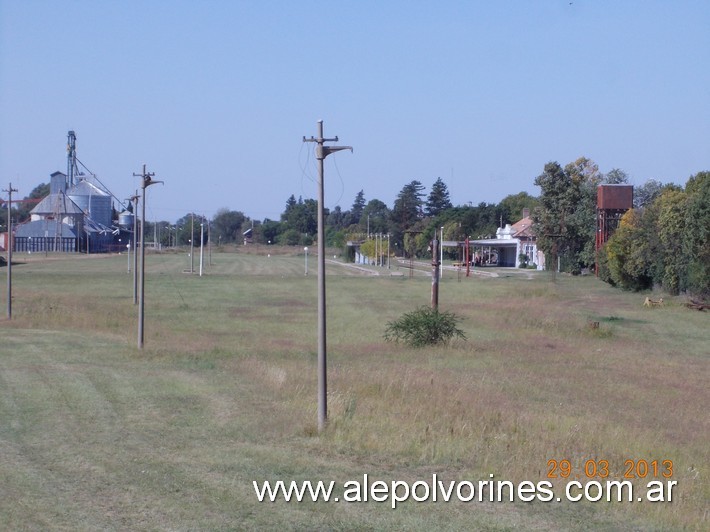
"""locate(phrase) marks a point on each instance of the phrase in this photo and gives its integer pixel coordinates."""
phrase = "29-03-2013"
(594, 490)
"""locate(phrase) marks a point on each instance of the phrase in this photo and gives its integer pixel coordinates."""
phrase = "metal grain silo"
(93, 201)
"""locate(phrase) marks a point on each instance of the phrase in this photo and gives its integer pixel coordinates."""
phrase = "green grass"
(96, 434)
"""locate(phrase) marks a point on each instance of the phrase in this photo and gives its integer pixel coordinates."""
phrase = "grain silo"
(95, 202)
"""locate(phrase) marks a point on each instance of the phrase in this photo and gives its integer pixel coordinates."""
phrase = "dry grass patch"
(96, 434)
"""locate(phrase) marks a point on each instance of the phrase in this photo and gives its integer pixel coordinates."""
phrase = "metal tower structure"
(612, 203)
(72, 167)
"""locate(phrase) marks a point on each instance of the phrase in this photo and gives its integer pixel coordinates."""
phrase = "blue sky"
(216, 96)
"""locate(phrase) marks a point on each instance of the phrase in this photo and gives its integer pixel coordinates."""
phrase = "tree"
(627, 253)
(267, 232)
(512, 206)
(585, 177)
(647, 193)
(188, 228)
(550, 219)
(357, 208)
(671, 228)
(407, 210)
(565, 220)
(616, 176)
(696, 240)
(337, 219)
(438, 200)
(375, 217)
(303, 217)
(227, 226)
(22, 209)
(290, 204)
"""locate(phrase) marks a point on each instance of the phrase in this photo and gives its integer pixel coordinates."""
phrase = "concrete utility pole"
(192, 242)
(202, 245)
(321, 153)
(435, 273)
(147, 181)
(441, 254)
(134, 198)
(10, 244)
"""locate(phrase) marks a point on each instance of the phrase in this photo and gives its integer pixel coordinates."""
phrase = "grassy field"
(95, 434)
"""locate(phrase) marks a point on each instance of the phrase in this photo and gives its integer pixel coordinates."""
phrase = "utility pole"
(134, 198)
(10, 244)
(209, 244)
(388, 251)
(192, 242)
(441, 253)
(321, 153)
(435, 273)
(202, 245)
(147, 181)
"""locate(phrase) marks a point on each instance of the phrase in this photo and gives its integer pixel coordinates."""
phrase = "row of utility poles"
(379, 249)
(321, 152)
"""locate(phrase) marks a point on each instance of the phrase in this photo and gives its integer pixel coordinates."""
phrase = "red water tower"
(612, 203)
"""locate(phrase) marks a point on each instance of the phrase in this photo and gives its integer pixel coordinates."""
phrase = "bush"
(424, 326)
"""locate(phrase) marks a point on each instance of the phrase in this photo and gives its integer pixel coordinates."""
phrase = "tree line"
(662, 241)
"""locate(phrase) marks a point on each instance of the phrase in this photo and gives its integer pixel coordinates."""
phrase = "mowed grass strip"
(96, 434)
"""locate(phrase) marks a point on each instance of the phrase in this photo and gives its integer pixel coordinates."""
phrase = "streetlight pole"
(10, 243)
(134, 198)
(306, 251)
(209, 244)
(147, 181)
(202, 245)
(435, 273)
(321, 153)
(376, 258)
(192, 242)
(388, 251)
(441, 253)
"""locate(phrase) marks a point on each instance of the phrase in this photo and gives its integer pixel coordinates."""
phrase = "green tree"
(357, 208)
(616, 176)
(647, 193)
(227, 226)
(438, 200)
(671, 228)
(627, 253)
(290, 204)
(375, 217)
(337, 219)
(22, 209)
(407, 210)
(565, 219)
(551, 219)
(585, 177)
(188, 229)
(303, 217)
(696, 240)
(512, 206)
(267, 232)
